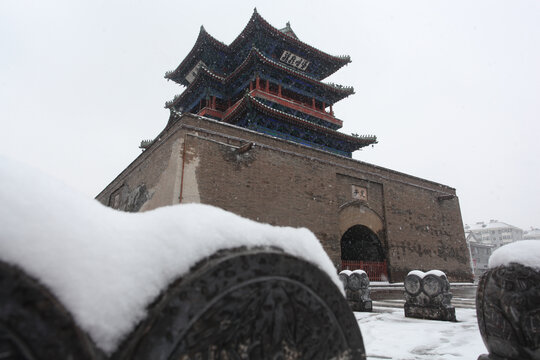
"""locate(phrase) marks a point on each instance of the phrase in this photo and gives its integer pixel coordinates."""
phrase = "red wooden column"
(324, 106)
(313, 103)
(213, 102)
(257, 83)
(331, 111)
(267, 88)
(279, 90)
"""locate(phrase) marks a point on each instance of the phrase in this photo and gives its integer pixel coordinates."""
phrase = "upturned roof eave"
(257, 18)
(178, 75)
(203, 72)
(257, 55)
(360, 141)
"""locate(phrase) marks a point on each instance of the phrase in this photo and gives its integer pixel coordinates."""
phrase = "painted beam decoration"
(294, 60)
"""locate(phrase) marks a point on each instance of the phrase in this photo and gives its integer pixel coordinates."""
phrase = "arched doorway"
(359, 243)
(363, 245)
(362, 249)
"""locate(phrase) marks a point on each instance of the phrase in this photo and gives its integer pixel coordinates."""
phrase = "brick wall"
(287, 184)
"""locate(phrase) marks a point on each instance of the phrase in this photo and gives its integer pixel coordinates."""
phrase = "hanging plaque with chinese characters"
(294, 60)
(359, 193)
(193, 73)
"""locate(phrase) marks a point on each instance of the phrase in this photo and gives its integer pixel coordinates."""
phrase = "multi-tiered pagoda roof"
(269, 81)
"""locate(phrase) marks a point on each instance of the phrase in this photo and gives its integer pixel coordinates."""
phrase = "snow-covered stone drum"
(256, 304)
(427, 296)
(34, 324)
(508, 303)
(358, 279)
(356, 284)
(180, 282)
(413, 284)
(344, 278)
(252, 304)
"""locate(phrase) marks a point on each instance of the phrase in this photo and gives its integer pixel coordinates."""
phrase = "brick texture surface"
(287, 184)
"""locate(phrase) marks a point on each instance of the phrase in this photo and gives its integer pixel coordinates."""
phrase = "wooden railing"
(376, 270)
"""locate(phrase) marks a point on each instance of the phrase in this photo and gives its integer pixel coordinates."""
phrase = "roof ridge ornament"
(287, 30)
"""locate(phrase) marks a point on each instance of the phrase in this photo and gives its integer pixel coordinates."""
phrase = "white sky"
(450, 88)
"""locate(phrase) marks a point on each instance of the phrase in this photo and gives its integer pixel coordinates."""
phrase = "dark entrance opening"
(362, 249)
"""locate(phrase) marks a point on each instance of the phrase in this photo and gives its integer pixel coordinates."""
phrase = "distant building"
(494, 233)
(480, 254)
(533, 234)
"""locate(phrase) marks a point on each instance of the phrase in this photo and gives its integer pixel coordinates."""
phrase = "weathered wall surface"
(283, 183)
(151, 181)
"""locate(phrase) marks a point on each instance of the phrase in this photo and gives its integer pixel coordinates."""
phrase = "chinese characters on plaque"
(359, 193)
(294, 60)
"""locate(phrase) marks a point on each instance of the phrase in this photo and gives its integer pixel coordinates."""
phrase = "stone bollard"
(508, 303)
(427, 296)
(356, 284)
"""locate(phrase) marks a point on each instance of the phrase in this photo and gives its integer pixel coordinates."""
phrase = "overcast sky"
(450, 88)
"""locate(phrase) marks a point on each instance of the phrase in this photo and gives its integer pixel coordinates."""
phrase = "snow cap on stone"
(107, 266)
(524, 252)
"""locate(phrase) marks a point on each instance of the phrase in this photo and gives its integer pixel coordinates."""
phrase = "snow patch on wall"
(166, 191)
(190, 187)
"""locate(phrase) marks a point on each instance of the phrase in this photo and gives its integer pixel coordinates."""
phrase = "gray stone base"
(364, 306)
(508, 312)
(430, 313)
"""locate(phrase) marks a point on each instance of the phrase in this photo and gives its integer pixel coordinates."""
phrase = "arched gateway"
(361, 246)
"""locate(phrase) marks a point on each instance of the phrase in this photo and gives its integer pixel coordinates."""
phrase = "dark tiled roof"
(255, 23)
(344, 91)
(363, 140)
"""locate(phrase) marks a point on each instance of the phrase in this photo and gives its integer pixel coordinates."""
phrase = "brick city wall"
(287, 184)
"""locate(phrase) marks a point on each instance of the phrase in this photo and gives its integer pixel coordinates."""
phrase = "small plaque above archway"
(359, 193)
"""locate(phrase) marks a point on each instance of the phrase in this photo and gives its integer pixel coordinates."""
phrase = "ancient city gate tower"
(254, 132)
(268, 81)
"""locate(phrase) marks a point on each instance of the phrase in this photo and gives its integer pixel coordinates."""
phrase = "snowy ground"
(388, 334)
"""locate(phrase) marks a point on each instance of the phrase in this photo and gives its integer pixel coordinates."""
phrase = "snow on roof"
(493, 224)
(532, 234)
(107, 266)
(524, 252)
